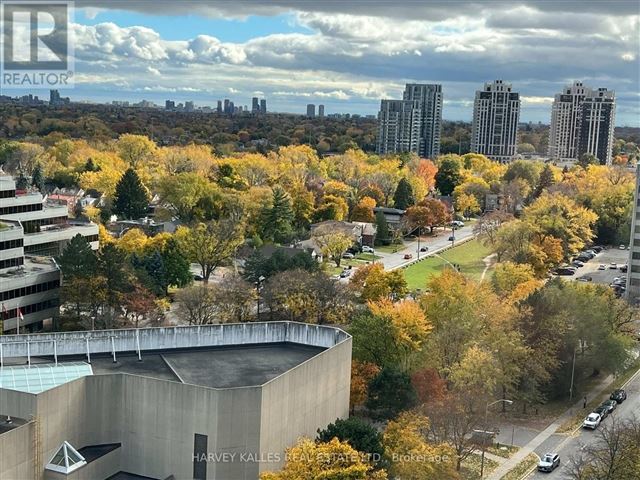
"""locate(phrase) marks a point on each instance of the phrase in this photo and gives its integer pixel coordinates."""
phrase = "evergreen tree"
(176, 265)
(403, 197)
(545, 181)
(131, 199)
(390, 392)
(37, 177)
(113, 267)
(383, 235)
(277, 220)
(77, 259)
(448, 176)
(587, 159)
(360, 435)
(151, 272)
(89, 166)
(21, 182)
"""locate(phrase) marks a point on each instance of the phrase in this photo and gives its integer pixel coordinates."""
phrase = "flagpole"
(18, 320)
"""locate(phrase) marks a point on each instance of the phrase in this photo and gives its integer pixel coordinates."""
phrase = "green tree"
(545, 181)
(403, 197)
(359, 434)
(151, 272)
(587, 159)
(449, 175)
(383, 235)
(276, 220)
(77, 258)
(37, 177)
(390, 392)
(131, 198)
(176, 264)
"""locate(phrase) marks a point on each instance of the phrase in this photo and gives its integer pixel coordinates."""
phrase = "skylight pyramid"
(66, 460)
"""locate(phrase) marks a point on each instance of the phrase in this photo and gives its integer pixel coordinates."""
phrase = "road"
(395, 260)
(570, 446)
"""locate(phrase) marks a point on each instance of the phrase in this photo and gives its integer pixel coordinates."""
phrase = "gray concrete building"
(311, 110)
(194, 402)
(496, 113)
(412, 124)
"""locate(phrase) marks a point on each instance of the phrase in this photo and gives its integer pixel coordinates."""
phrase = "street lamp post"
(484, 440)
(258, 285)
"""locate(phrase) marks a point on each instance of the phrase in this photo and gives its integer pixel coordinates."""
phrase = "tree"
(210, 244)
(37, 177)
(135, 149)
(140, 308)
(403, 197)
(428, 385)
(360, 435)
(197, 305)
(449, 175)
(114, 270)
(331, 460)
(508, 276)
(372, 282)
(234, 299)
(546, 180)
(331, 207)
(151, 272)
(390, 392)
(77, 259)
(363, 211)
(466, 204)
(333, 244)
(176, 265)
(361, 375)
(411, 456)
(587, 159)
(276, 222)
(374, 340)
(383, 235)
(190, 197)
(131, 199)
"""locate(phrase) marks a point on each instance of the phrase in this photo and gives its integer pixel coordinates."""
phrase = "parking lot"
(609, 256)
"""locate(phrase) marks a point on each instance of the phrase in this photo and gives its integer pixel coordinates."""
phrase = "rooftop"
(32, 265)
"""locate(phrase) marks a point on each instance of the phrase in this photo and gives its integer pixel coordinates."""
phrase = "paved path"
(539, 439)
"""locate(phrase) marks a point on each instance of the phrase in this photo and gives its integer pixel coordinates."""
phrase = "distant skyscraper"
(169, 105)
(219, 107)
(566, 114)
(232, 108)
(226, 105)
(321, 110)
(496, 112)
(398, 126)
(311, 110)
(255, 105)
(188, 106)
(597, 124)
(412, 124)
(54, 97)
(263, 106)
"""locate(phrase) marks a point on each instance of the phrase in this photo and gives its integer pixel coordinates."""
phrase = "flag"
(4, 311)
(20, 317)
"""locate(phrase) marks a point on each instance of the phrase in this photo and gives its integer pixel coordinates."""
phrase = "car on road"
(577, 264)
(367, 249)
(624, 268)
(549, 462)
(602, 411)
(348, 256)
(618, 395)
(408, 256)
(586, 278)
(565, 271)
(457, 224)
(602, 266)
(610, 405)
(592, 421)
(622, 246)
(613, 266)
(424, 249)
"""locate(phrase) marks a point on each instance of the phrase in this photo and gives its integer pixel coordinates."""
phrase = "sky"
(348, 55)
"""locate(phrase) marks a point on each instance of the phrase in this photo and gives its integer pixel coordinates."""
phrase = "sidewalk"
(530, 447)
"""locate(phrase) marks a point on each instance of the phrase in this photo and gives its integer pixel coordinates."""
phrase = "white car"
(549, 462)
(367, 249)
(602, 266)
(592, 421)
(348, 256)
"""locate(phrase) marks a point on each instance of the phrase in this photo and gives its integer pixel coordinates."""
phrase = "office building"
(311, 110)
(219, 107)
(398, 127)
(496, 113)
(597, 125)
(321, 111)
(226, 106)
(263, 106)
(255, 105)
(169, 105)
(566, 114)
(412, 124)
(188, 106)
(202, 402)
(55, 99)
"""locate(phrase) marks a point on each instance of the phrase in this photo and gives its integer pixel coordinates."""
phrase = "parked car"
(565, 271)
(452, 238)
(622, 246)
(602, 411)
(424, 249)
(618, 395)
(345, 273)
(457, 224)
(198, 278)
(602, 266)
(582, 258)
(610, 405)
(348, 256)
(597, 248)
(592, 421)
(367, 249)
(408, 256)
(549, 462)
(624, 268)
(577, 264)
(591, 252)
(613, 266)
(587, 253)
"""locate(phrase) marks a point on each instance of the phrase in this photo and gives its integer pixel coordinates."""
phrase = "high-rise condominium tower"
(566, 114)
(496, 112)
(596, 125)
(412, 124)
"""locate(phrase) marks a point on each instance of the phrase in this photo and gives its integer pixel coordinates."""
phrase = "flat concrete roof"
(9, 423)
(216, 367)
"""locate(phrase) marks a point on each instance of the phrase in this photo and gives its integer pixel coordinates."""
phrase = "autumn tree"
(363, 211)
(373, 282)
(234, 299)
(131, 198)
(361, 375)
(210, 244)
(197, 305)
(466, 204)
(190, 197)
(135, 149)
(333, 459)
(333, 243)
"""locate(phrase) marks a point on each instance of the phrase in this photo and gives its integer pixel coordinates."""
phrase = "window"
(200, 457)
(66, 460)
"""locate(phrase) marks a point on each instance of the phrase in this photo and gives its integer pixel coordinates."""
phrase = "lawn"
(469, 256)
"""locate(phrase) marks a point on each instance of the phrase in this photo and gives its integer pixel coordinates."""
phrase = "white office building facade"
(566, 115)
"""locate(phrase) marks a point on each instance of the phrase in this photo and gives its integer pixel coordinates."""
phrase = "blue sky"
(349, 55)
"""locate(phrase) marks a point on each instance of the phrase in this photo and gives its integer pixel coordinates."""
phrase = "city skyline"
(280, 52)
